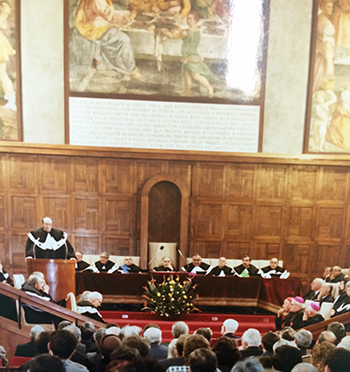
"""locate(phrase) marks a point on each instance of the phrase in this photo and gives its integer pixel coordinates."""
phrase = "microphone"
(153, 258)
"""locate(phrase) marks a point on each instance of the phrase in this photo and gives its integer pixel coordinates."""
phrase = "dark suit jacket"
(251, 351)
(26, 350)
(158, 351)
(216, 270)
(166, 363)
(252, 270)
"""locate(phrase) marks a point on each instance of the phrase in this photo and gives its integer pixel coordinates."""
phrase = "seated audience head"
(206, 332)
(347, 288)
(202, 360)
(251, 338)
(251, 364)
(150, 325)
(327, 336)
(285, 358)
(312, 309)
(87, 330)
(226, 352)
(287, 303)
(125, 353)
(63, 324)
(108, 344)
(128, 331)
(120, 366)
(194, 342)
(268, 340)
(153, 335)
(336, 270)
(303, 338)
(246, 261)
(128, 260)
(304, 367)
(37, 280)
(113, 331)
(73, 329)
(172, 353)
(338, 329)
(95, 298)
(99, 334)
(229, 326)
(79, 256)
(180, 342)
(83, 296)
(283, 342)
(297, 304)
(167, 262)
(46, 363)
(36, 330)
(139, 343)
(196, 260)
(345, 343)
(325, 290)
(320, 353)
(179, 328)
(222, 262)
(338, 361)
(274, 263)
(47, 224)
(342, 284)
(41, 342)
(62, 344)
(327, 271)
(104, 257)
(316, 284)
(287, 333)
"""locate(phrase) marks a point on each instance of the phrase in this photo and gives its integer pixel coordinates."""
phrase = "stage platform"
(263, 323)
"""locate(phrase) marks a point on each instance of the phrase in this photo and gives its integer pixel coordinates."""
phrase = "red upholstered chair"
(17, 361)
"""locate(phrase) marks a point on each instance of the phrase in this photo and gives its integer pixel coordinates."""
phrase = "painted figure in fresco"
(147, 6)
(181, 7)
(6, 51)
(341, 22)
(193, 67)
(99, 22)
(322, 115)
(324, 53)
(339, 129)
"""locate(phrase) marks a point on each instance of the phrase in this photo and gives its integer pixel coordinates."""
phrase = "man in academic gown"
(337, 275)
(345, 305)
(4, 276)
(80, 265)
(273, 270)
(129, 267)
(89, 305)
(47, 242)
(197, 266)
(105, 265)
(167, 265)
(221, 269)
(246, 268)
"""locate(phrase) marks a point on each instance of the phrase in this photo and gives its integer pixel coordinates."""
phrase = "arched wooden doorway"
(165, 186)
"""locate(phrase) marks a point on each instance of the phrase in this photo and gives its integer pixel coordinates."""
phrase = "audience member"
(337, 275)
(303, 339)
(345, 343)
(251, 364)
(206, 332)
(129, 266)
(104, 265)
(283, 315)
(345, 305)
(179, 328)
(285, 358)
(197, 266)
(221, 269)
(314, 291)
(320, 353)
(273, 270)
(80, 264)
(296, 321)
(267, 341)
(288, 333)
(80, 350)
(312, 314)
(178, 359)
(28, 350)
(283, 342)
(202, 360)
(338, 329)
(130, 331)
(251, 341)
(139, 343)
(304, 367)
(338, 360)
(327, 273)
(3, 358)
(150, 325)
(87, 333)
(108, 345)
(4, 276)
(342, 297)
(325, 294)
(246, 269)
(327, 336)
(226, 353)
(89, 306)
(125, 353)
(229, 327)
(47, 363)
(154, 337)
(167, 265)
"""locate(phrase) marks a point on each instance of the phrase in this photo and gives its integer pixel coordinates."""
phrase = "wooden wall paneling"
(333, 181)
(23, 173)
(116, 177)
(17, 254)
(58, 209)
(2, 212)
(237, 249)
(300, 223)
(269, 219)
(302, 184)
(271, 182)
(146, 170)
(4, 257)
(330, 223)
(85, 175)
(239, 220)
(118, 215)
(240, 181)
(53, 174)
(208, 180)
(23, 212)
(266, 251)
(3, 175)
(182, 170)
(120, 246)
(326, 255)
(86, 243)
(209, 220)
(87, 214)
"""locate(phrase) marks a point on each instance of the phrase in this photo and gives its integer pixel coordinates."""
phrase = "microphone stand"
(153, 258)
(182, 256)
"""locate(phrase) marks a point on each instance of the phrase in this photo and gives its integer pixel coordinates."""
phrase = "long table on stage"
(213, 291)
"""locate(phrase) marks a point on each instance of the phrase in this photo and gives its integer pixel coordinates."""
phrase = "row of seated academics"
(196, 266)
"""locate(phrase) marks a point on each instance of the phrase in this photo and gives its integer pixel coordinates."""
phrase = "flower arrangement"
(170, 298)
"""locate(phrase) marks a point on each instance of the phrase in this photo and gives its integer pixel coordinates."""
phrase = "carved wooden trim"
(185, 193)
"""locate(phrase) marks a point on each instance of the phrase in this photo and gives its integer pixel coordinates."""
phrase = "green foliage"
(170, 298)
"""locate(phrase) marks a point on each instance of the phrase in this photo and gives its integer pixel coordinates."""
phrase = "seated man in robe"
(104, 265)
(80, 265)
(345, 305)
(47, 242)
(325, 294)
(246, 269)
(283, 315)
(36, 286)
(197, 266)
(167, 265)
(312, 314)
(129, 267)
(4, 276)
(7, 304)
(221, 269)
(314, 291)
(337, 275)
(89, 305)
(273, 270)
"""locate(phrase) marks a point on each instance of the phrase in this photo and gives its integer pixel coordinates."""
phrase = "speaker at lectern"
(157, 252)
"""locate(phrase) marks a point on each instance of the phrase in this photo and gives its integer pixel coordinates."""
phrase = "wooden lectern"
(59, 275)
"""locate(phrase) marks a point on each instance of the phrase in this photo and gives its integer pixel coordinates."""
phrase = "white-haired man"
(154, 336)
(251, 341)
(221, 269)
(47, 242)
(89, 305)
(129, 267)
(229, 327)
(197, 266)
(28, 350)
(273, 270)
(167, 265)
(314, 291)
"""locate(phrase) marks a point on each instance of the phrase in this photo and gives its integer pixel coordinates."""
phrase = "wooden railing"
(46, 306)
(317, 328)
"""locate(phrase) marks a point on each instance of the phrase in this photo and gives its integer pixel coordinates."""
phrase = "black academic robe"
(217, 270)
(127, 269)
(296, 321)
(82, 265)
(204, 267)
(338, 278)
(5, 277)
(252, 270)
(103, 268)
(315, 319)
(273, 272)
(40, 245)
(88, 309)
(311, 295)
(328, 298)
(26, 350)
(339, 300)
(343, 308)
(162, 268)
